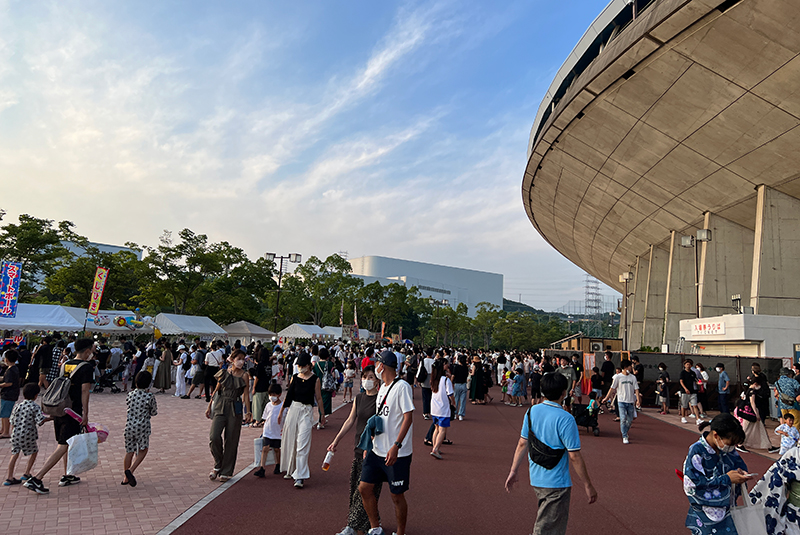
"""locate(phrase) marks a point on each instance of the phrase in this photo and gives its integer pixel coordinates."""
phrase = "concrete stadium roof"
(686, 111)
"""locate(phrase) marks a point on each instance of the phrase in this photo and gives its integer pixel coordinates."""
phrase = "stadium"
(668, 118)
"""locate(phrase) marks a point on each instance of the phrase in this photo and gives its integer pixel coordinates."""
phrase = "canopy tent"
(248, 332)
(336, 332)
(80, 315)
(298, 330)
(180, 324)
(31, 317)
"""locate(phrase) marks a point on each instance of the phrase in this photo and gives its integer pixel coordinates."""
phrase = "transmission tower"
(593, 306)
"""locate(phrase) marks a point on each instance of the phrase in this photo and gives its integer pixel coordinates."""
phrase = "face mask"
(563, 365)
(661, 369)
(238, 364)
(368, 384)
(273, 399)
(379, 373)
(719, 370)
(727, 448)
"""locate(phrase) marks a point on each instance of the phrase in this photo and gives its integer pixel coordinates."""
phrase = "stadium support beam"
(726, 266)
(775, 287)
(636, 302)
(679, 303)
(655, 297)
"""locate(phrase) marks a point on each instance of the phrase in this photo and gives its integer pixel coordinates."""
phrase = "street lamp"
(703, 235)
(625, 278)
(271, 257)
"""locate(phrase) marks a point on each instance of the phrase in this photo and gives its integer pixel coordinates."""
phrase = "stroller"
(585, 419)
(106, 380)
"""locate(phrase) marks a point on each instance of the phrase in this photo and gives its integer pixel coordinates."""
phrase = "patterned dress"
(26, 418)
(708, 487)
(141, 406)
(781, 516)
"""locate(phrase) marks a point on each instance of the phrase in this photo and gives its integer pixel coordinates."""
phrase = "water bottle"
(326, 464)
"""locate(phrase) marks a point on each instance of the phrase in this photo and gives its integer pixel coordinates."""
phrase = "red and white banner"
(100, 277)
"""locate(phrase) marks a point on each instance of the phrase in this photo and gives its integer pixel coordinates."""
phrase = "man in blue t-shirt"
(723, 387)
(556, 428)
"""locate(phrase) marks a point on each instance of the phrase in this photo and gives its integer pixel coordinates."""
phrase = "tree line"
(188, 274)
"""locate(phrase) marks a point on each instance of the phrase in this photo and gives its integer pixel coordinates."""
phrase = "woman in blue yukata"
(710, 471)
(779, 490)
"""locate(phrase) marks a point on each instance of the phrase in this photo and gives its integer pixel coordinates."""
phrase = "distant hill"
(514, 306)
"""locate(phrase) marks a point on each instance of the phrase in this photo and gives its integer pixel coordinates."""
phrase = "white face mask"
(238, 363)
(727, 448)
(379, 373)
(368, 384)
(719, 370)
(273, 399)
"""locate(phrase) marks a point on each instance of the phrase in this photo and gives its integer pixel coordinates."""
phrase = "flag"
(341, 315)
(9, 288)
(383, 328)
(100, 277)
(355, 315)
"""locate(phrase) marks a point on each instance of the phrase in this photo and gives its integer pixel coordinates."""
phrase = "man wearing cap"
(390, 457)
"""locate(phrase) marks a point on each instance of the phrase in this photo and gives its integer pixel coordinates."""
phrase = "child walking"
(272, 430)
(349, 379)
(141, 406)
(788, 433)
(25, 418)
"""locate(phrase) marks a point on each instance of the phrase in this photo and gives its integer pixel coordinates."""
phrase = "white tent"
(31, 317)
(80, 315)
(298, 330)
(180, 324)
(248, 332)
(336, 332)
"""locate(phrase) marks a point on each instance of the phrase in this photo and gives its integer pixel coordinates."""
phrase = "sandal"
(12, 481)
(223, 479)
(213, 474)
(131, 479)
(447, 441)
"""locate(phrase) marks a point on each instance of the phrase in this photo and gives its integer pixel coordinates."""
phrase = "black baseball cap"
(388, 358)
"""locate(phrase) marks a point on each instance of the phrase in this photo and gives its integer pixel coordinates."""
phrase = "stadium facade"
(683, 118)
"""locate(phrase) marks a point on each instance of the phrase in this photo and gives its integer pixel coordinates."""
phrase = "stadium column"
(655, 296)
(726, 265)
(775, 287)
(636, 303)
(681, 295)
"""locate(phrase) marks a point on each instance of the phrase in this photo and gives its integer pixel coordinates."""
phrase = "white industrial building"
(455, 285)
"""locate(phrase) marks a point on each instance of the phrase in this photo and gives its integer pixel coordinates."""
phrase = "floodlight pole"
(271, 257)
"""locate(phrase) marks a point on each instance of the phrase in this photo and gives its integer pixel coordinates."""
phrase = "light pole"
(625, 278)
(291, 257)
(703, 235)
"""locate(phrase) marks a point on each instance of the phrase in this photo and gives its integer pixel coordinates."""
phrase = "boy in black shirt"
(81, 374)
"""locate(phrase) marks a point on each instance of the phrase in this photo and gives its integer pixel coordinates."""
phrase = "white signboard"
(709, 328)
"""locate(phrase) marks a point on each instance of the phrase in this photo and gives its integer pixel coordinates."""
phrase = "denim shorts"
(6, 406)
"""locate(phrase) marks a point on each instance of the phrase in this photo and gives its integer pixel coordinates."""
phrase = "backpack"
(328, 379)
(422, 374)
(56, 397)
(187, 363)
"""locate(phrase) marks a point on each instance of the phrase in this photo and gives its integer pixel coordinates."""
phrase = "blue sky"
(377, 128)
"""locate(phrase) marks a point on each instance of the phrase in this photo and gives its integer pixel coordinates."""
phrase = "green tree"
(36, 244)
(485, 321)
(325, 284)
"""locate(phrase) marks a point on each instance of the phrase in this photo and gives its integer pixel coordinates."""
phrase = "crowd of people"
(287, 391)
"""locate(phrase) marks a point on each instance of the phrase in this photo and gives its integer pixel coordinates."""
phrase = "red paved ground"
(638, 490)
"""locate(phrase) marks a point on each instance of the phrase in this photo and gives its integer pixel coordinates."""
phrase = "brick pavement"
(172, 478)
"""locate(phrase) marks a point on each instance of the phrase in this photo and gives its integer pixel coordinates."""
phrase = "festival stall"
(33, 317)
(178, 324)
(304, 332)
(248, 332)
(336, 332)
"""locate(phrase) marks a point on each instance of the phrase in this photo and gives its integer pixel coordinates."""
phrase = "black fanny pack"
(540, 453)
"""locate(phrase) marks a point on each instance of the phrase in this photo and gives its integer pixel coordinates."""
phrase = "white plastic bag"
(82, 453)
(258, 443)
(750, 517)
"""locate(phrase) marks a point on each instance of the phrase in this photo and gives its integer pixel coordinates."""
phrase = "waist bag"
(540, 453)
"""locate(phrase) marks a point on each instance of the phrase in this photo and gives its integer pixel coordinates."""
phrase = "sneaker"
(298, 484)
(185, 397)
(704, 415)
(260, 472)
(700, 421)
(287, 476)
(774, 449)
(684, 421)
(376, 531)
(66, 481)
(692, 416)
(425, 416)
(625, 440)
(277, 469)
(460, 418)
(742, 449)
(36, 486)
(347, 531)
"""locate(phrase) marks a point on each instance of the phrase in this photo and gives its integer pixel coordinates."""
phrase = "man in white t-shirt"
(390, 458)
(214, 360)
(626, 387)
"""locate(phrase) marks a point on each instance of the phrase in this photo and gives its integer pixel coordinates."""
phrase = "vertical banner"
(588, 364)
(100, 277)
(401, 334)
(341, 315)
(9, 288)
(355, 314)
(383, 328)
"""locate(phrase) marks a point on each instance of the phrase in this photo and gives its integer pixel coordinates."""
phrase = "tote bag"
(82, 453)
(749, 518)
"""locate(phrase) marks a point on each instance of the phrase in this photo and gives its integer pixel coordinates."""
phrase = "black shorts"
(375, 471)
(66, 427)
(198, 378)
(274, 443)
